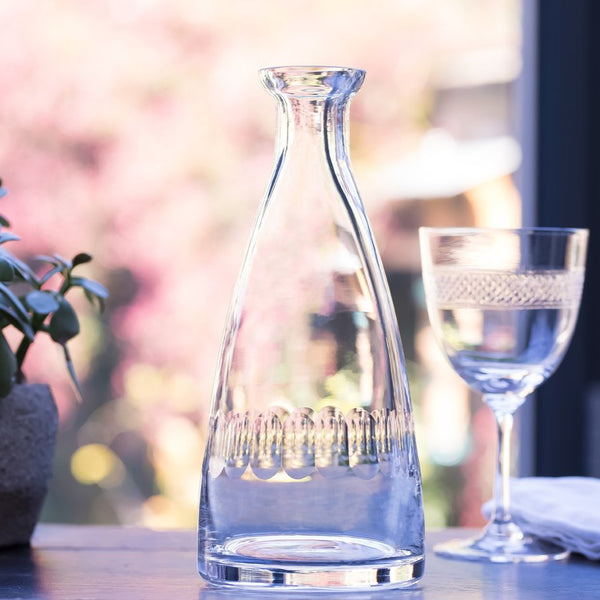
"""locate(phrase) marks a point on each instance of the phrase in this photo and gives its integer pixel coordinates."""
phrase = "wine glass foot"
(492, 548)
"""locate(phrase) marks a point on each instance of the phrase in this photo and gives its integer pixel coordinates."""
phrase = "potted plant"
(33, 303)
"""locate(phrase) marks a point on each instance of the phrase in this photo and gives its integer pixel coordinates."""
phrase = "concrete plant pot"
(28, 427)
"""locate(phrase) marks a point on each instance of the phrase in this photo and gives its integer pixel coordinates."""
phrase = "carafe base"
(315, 562)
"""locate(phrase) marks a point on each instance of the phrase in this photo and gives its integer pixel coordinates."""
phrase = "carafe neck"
(313, 109)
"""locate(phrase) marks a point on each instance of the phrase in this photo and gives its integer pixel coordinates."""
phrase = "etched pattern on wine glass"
(451, 287)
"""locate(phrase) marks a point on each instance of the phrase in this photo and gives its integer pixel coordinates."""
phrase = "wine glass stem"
(504, 421)
(502, 480)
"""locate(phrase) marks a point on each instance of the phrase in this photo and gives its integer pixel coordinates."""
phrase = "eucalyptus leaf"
(64, 323)
(8, 367)
(42, 302)
(93, 287)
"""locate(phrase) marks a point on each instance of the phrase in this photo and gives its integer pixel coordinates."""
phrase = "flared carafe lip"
(309, 68)
(311, 80)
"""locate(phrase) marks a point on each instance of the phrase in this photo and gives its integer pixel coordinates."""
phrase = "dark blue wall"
(568, 194)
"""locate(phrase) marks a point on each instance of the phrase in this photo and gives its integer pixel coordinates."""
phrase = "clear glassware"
(311, 478)
(503, 305)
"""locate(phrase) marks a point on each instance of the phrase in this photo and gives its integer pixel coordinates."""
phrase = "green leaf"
(22, 270)
(14, 302)
(46, 258)
(56, 260)
(49, 259)
(93, 287)
(10, 315)
(81, 258)
(7, 236)
(8, 367)
(3, 220)
(49, 274)
(72, 373)
(67, 264)
(64, 323)
(41, 302)
(94, 300)
(7, 272)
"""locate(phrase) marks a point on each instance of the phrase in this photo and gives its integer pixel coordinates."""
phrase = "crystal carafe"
(311, 478)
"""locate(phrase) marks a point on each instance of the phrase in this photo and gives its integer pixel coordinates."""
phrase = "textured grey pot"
(28, 426)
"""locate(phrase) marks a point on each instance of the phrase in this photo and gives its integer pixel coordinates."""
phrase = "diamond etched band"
(451, 287)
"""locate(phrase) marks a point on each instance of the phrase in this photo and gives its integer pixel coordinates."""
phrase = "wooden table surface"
(70, 562)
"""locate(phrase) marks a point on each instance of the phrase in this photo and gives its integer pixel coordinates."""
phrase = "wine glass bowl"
(503, 305)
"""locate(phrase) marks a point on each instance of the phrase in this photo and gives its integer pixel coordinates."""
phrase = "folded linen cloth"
(565, 510)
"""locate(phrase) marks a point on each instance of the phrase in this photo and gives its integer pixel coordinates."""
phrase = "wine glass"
(503, 304)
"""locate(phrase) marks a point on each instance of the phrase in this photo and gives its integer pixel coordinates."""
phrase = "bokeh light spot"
(96, 463)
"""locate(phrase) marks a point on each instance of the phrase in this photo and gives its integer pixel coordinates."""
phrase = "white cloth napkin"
(565, 510)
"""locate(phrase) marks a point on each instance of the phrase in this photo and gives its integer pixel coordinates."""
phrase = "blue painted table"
(70, 562)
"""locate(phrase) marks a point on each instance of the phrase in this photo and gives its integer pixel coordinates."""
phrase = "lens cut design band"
(303, 442)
